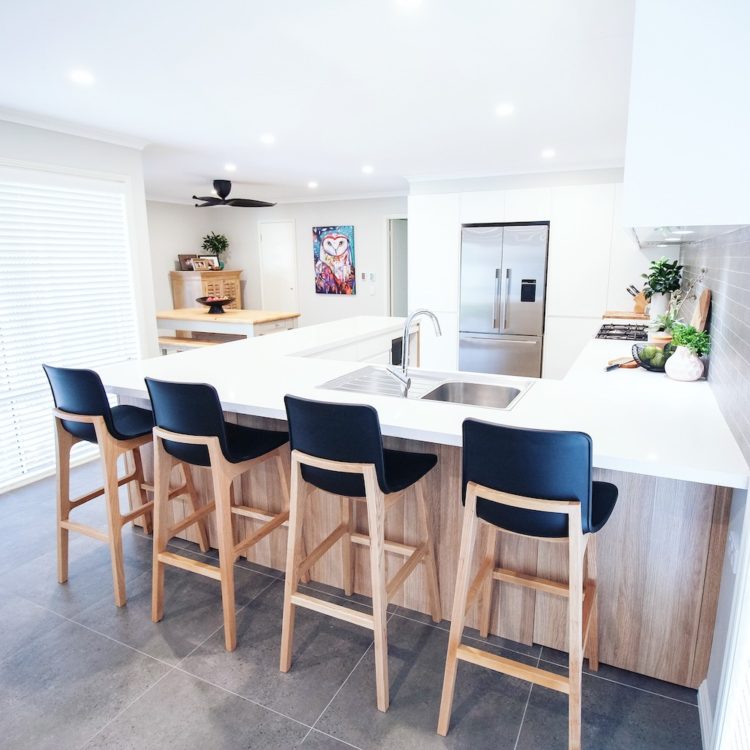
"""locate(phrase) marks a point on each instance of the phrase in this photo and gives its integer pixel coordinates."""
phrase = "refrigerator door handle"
(496, 306)
(505, 296)
(497, 338)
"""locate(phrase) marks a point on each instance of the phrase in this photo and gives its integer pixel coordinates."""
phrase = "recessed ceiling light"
(683, 231)
(81, 77)
(268, 139)
(312, 184)
(230, 167)
(661, 245)
(672, 239)
(504, 109)
(547, 153)
(367, 169)
(213, 190)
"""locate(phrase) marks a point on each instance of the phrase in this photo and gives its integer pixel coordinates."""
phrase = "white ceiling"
(408, 86)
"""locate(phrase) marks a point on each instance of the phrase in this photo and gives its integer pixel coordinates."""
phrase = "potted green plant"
(660, 329)
(216, 244)
(664, 277)
(685, 363)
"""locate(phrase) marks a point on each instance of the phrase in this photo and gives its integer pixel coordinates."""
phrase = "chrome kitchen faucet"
(402, 374)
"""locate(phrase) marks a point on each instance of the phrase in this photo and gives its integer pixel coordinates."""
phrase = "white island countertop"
(640, 422)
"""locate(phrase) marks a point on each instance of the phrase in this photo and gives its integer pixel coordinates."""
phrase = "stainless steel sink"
(474, 394)
(431, 386)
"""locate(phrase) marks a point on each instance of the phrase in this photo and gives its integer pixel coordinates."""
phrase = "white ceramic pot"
(684, 364)
(659, 305)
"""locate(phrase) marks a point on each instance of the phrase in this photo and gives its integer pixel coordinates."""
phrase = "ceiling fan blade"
(248, 203)
(206, 198)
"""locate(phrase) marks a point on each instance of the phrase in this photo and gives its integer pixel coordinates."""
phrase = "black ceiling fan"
(223, 188)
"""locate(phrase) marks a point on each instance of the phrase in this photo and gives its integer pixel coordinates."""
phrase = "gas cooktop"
(623, 331)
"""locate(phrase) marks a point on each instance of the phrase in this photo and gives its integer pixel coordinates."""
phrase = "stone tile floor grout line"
(526, 707)
(325, 734)
(172, 667)
(470, 637)
(625, 684)
(341, 686)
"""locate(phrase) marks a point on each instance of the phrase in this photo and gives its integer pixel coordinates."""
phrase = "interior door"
(278, 266)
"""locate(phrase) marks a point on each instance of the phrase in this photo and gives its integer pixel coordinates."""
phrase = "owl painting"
(333, 249)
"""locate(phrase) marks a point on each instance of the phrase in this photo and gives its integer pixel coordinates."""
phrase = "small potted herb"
(216, 244)
(660, 330)
(691, 344)
(664, 277)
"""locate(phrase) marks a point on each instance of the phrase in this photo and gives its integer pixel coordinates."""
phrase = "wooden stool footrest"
(190, 520)
(531, 582)
(99, 491)
(278, 520)
(193, 566)
(139, 511)
(257, 513)
(514, 668)
(333, 610)
(321, 549)
(81, 528)
(405, 571)
(395, 547)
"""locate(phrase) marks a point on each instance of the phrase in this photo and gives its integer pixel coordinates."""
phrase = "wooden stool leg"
(146, 518)
(376, 523)
(485, 610)
(466, 552)
(114, 522)
(346, 546)
(285, 494)
(433, 587)
(576, 546)
(222, 496)
(593, 637)
(293, 557)
(162, 470)
(64, 442)
(193, 501)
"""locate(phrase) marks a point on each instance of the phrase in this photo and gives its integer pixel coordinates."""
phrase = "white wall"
(687, 150)
(24, 145)
(178, 229)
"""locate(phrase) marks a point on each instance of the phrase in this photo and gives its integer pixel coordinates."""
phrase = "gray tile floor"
(76, 672)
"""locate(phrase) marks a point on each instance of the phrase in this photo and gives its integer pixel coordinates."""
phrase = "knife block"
(639, 303)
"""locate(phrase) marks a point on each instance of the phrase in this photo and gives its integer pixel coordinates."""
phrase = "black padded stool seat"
(338, 448)
(195, 409)
(546, 464)
(81, 392)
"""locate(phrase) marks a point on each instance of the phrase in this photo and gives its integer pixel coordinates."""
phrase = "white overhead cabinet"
(686, 159)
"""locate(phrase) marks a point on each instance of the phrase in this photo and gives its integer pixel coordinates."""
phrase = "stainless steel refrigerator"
(503, 275)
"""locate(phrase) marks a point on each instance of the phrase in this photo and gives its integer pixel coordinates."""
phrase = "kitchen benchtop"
(640, 422)
(228, 316)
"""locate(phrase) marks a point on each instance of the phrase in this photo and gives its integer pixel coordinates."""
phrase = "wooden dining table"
(248, 323)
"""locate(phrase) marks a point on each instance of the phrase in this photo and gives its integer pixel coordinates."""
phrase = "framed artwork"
(212, 260)
(185, 261)
(201, 264)
(333, 252)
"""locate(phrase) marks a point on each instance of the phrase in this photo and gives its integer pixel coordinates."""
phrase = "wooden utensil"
(640, 302)
(700, 314)
(613, 364)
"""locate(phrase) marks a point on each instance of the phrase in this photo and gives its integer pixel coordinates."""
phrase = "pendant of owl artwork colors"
(333, 249)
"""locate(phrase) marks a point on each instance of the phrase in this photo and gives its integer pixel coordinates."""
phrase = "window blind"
(66, 298)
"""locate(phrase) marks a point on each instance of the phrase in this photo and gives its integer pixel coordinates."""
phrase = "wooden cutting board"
(700, 314)
(624, 314)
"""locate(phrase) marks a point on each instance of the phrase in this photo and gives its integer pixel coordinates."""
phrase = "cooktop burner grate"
(623, 331)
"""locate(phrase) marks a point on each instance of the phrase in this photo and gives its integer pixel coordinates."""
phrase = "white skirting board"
(705, 715)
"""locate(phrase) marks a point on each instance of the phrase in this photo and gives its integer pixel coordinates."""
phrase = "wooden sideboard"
(187, 286)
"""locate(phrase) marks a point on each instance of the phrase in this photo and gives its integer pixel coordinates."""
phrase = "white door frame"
(389, 261)
(294, 258)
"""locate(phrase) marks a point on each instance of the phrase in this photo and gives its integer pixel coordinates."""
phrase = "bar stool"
(338, 448)
(82, 413)
(534, 483)
(190, 427)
